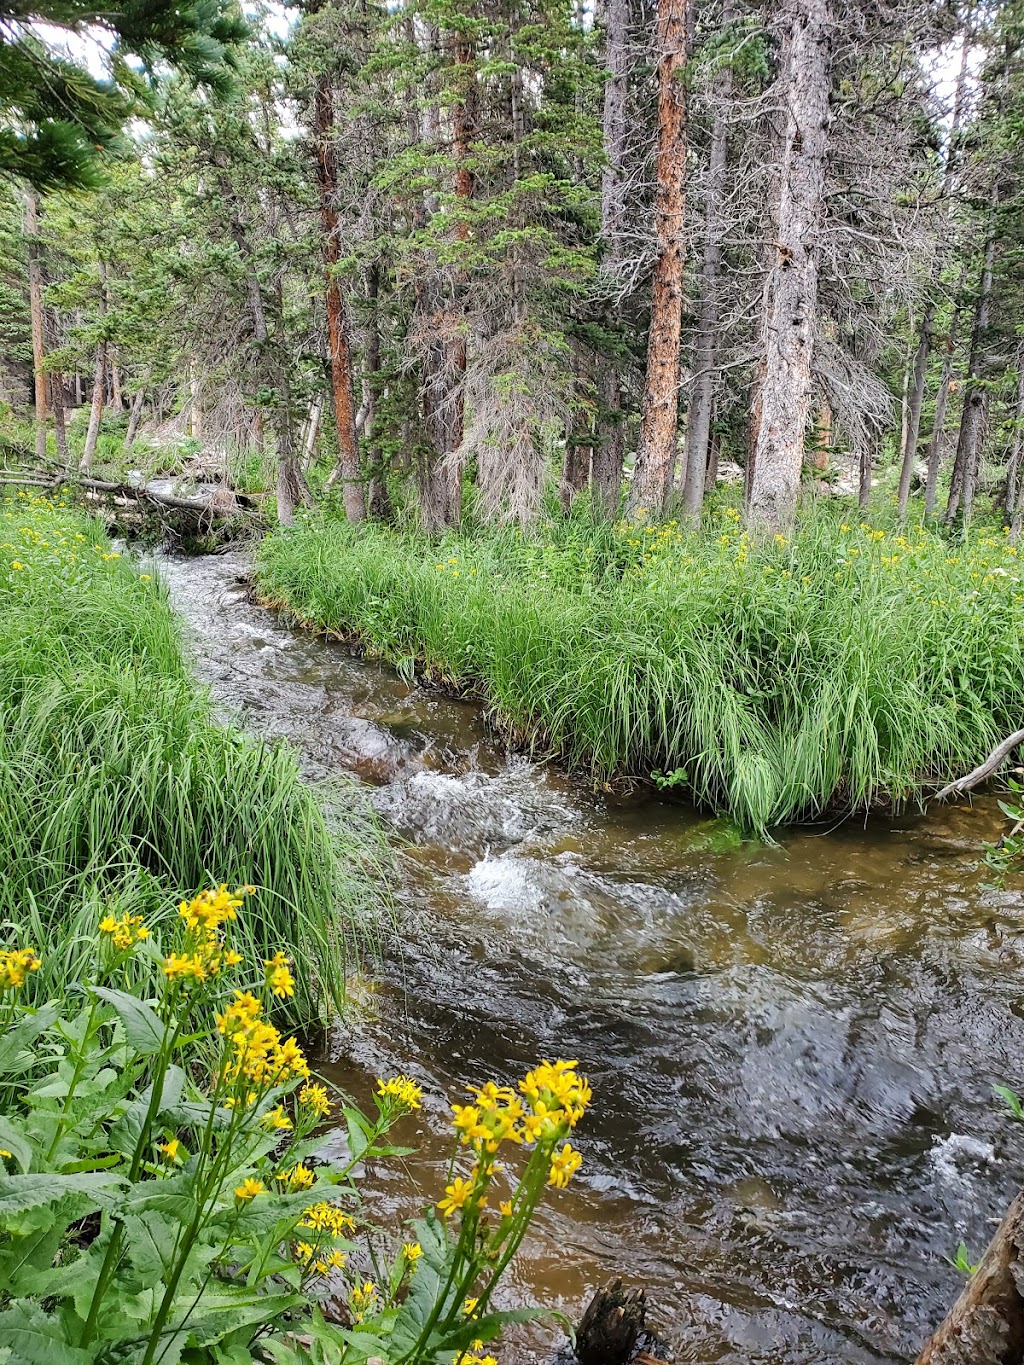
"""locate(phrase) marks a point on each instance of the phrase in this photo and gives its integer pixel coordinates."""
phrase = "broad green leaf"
(13, 1140)
(35, 1338)
(13, 1044)
(21, 1192)
(142, 1025)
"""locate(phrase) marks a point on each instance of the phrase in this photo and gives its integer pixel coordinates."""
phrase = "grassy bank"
(118, 787)
(843, 667)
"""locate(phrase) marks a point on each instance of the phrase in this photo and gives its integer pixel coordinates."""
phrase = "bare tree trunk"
(134, 418)
(698, 425)
(579, 453)
(116, 397)
(312, 433)
(1012, 501)
(659, 411)
(606, 463)
(99, 382)
(974, 417)
(941, 399)
(864, 487)
(928, 320)
(986, 1324)
(35, 306)
(342, 383)
(791, 292)
(59, 423)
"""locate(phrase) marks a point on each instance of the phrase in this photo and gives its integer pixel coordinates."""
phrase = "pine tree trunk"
(134, 418)
(928, 320)
(606, 464)
(116, 397)
(99, 381)
(342, 383)
(98, 387)
(974, 417)
(791, 293)
(698, 424)
(1012, 501)
(35, 304)
(59, 416)
(659, 411)
(941, 399)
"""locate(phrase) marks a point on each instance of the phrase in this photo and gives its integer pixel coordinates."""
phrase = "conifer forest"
(511, 682)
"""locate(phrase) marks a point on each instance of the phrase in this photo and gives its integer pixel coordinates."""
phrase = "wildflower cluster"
(205, 953)
(15, 965)
(554, 1099)
(256, 1053)
(125, 932)
(398, 1095)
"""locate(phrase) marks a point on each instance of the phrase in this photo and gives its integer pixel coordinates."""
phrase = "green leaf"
(142, 1025)
(13, 1140)
(21, 1192)
(15, 1041)
(37, 1339)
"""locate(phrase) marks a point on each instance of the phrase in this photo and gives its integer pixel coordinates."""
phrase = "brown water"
(792, 1048)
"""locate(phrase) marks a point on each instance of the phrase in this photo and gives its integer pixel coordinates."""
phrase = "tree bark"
(659, 411)
(698, 424)
(941, 399)
(986, 1324)
(1012, 501)
(59, 423)
(791, 292)
(35, 305)
(606, 462)
(974, 417)
(134, 418)
(342, 385)
(99, 380)
(928, 320)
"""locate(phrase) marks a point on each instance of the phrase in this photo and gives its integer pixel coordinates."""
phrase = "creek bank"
(791, 1045)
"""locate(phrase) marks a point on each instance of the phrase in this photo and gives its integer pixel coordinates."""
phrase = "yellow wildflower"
(412, 1251)
(170, 1149)
(505, 1208)
(400, 1092)
(314, 1097)
(458, 1193)
(15, 965)
(279, 978)
(187, 966)
(361, 1299)
(298, 1178)
(249, 1188)
(276, 1118)
(324, 1217)
(564, 1165)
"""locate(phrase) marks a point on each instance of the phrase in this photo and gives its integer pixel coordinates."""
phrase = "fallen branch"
(986, 1324)
(986, 769)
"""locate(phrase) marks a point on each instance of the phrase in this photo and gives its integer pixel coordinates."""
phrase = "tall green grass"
(116, 784)
(845, 667)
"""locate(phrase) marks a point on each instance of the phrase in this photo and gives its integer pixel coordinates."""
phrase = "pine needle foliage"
(842, 668)
(120, 788)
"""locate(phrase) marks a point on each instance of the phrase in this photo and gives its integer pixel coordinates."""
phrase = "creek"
(791, 1046)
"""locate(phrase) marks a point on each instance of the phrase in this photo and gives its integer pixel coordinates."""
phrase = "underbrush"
(118, 785)
(846, 666)
(175, 1185)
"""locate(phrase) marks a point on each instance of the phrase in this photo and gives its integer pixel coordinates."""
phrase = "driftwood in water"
(986, 1324)
(986, 769)
(609, 1328)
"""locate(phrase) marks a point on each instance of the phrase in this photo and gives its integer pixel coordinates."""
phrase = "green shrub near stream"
(845, 667)
(119, 787)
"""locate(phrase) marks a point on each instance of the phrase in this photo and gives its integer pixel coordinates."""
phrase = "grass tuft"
(120, 787)
(842, 668)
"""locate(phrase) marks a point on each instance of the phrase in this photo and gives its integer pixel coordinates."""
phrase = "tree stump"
(609, 1328)
(986, 1324)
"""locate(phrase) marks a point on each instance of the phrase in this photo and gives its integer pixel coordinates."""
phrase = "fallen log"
(986, 769)
(610, 1326)
(986, 1324)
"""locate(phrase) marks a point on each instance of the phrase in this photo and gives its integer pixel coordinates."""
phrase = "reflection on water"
(792, 1048)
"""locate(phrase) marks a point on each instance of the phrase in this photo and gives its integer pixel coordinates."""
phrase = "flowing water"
(791, 1047)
